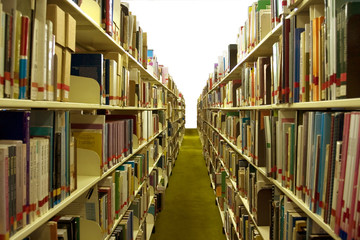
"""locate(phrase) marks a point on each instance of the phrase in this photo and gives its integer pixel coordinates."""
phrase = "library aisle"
(190, 211)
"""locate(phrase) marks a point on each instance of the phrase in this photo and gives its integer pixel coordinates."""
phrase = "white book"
(2, 52)
(50, 49)
(113, 82)
(33, 180)
(336, 182)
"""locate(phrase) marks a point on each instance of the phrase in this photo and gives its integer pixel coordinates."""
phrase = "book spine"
(8, 56)
(24, 46)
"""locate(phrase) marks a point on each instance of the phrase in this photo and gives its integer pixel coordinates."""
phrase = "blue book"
(325, 139)
(89, 65)
(296, 72)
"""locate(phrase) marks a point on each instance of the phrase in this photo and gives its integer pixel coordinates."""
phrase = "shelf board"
(28, 104)
(351, 103)
(84, 184)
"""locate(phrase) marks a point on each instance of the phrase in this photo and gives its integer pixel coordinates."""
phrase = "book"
(349, 22)
(4, 197)
(2, 51)
(24, 53)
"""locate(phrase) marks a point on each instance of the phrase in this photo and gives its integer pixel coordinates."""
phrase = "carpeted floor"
(190, 212)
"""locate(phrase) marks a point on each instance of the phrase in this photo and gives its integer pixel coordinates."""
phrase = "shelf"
(351, 103)
(222, 217)
(100, 41)
(84, 184)
(264, 47)
(28, 104)
(232, 216)
(262, 229)
(104, 175)
(306, 209)
(143, 220)
(287, 192)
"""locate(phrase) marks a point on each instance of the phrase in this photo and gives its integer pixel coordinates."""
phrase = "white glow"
(188, 36)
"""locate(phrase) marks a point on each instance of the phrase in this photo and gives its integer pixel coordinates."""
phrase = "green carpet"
(190, 212)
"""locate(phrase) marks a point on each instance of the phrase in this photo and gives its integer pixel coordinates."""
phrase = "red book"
(342, 171)
(24, 50)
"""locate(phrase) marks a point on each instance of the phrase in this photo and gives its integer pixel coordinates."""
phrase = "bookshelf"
(224, 112)
(157, 97)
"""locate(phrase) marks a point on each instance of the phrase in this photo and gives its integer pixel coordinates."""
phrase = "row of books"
(31, 66)
(40, 68)
(43, 153)
(308, 62)
(320, 167)
(41, 158)
(127, 188)
(257, 25)
(266, 204)
(121, 24)
(303, 151)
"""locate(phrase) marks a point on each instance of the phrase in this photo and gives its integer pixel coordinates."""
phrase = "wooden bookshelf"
(29, 104)
(99, 41)
(264, 48)
(286, 191)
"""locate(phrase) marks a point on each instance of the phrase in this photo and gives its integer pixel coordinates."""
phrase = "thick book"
(349, 38)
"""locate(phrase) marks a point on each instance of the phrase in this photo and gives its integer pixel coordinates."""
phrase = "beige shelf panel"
(28, 104)
(351, 103)
(84, 184)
